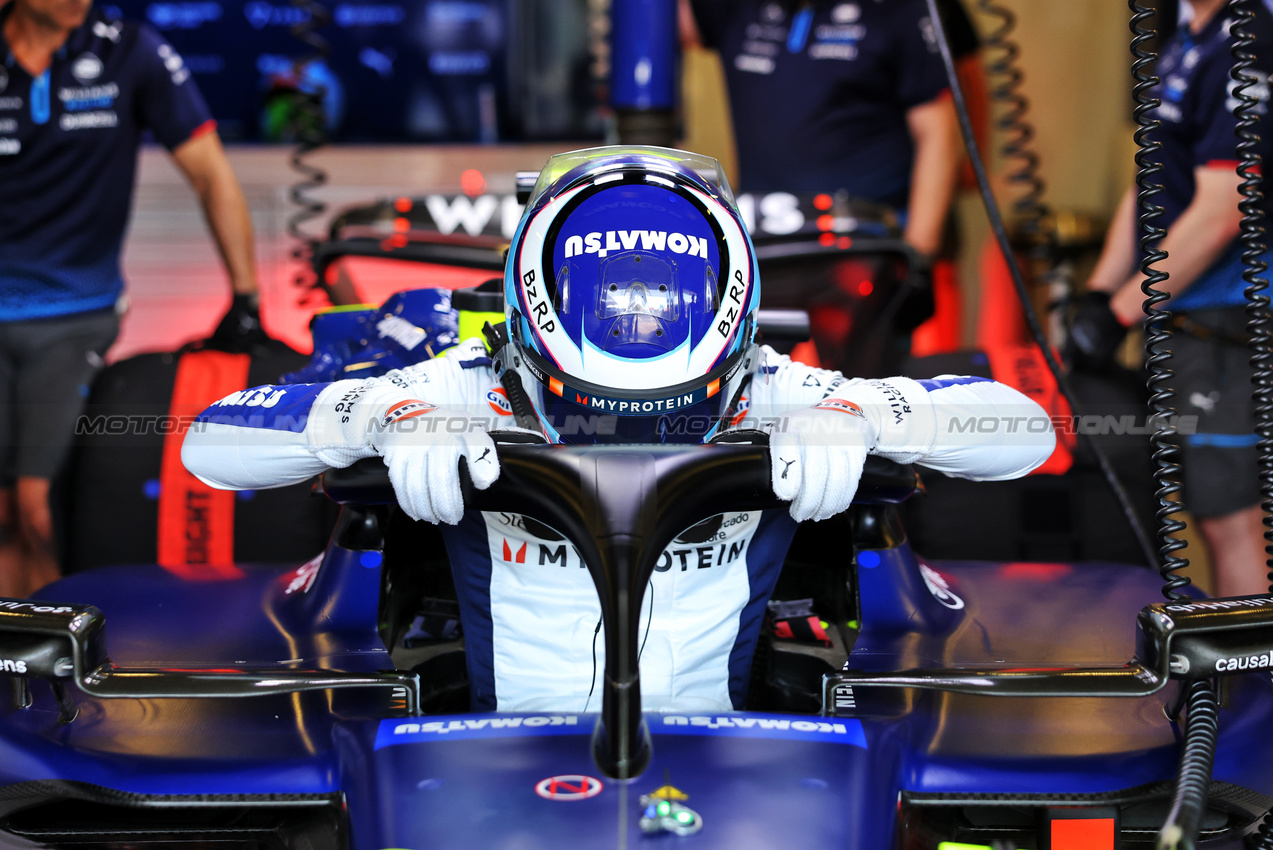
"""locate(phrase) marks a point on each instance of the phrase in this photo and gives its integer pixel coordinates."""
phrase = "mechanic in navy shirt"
(1201, 215)
(828, 94)
(77, 91)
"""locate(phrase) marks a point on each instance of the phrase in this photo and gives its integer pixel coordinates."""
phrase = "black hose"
(1018, 282)
(1193, 780)
(310, 128)
(1157, 332)
(1253, 246)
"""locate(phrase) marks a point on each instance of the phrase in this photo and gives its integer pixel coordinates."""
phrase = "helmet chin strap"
(751, 362)
(504, 356)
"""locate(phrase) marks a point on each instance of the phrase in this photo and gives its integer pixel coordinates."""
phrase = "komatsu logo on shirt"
(630, 240)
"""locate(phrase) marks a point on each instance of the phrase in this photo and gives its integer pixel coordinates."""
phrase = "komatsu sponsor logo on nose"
(629, 240)
(443, 727)
(395, 732)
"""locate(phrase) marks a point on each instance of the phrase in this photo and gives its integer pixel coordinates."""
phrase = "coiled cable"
(1004, 78)
(1157, 332)
(1018, 282)
(310, 131)
(1259, 326)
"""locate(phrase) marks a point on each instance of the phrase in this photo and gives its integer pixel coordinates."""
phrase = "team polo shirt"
(1198, 131)
(68, 156)
(819, 91)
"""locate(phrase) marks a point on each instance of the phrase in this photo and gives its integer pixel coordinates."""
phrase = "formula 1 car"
(286, 709)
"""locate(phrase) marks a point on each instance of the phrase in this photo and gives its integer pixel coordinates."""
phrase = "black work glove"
(919, 304)
(1095, 334)
(240, 328)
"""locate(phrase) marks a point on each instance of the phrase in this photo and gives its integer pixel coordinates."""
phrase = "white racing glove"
(817, 454)
(421, 444)
(816, 457)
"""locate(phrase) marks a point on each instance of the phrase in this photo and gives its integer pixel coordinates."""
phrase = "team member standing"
(830, 95)
(77, 91)
(1200, 202)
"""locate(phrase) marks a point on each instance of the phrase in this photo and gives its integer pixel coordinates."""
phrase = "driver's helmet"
(631, 291)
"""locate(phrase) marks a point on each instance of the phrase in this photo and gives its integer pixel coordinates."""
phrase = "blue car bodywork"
(882, 768)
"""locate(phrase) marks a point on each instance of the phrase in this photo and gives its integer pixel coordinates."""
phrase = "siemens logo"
(628, 240)
(12, 666)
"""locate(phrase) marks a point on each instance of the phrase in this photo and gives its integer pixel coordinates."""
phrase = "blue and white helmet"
(631, 291)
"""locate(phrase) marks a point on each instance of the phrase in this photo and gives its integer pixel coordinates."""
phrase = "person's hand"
(1095, 334)
(422, 446)
(816, 457)
(240, 328)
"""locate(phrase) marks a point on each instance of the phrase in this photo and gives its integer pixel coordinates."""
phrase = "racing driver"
(631, 293)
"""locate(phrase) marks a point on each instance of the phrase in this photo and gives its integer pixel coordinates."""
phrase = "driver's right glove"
(421, 444)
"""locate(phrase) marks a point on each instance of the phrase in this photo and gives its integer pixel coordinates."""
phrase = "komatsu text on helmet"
(631, 291)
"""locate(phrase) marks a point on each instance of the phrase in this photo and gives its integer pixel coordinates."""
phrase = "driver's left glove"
(422, 446)
(816, 457)
(817, 454)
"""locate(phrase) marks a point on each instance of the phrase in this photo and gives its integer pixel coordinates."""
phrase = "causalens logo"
(630, 240)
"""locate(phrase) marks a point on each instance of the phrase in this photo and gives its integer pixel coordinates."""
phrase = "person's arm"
(687, 27)
(1193, 242)
(1118, 255)
(202, 159)
(933, 129)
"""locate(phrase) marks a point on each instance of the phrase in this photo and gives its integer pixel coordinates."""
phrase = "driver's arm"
(965, 427)
(272, 436)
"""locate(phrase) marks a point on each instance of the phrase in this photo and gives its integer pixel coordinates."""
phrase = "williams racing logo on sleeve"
(468, 727)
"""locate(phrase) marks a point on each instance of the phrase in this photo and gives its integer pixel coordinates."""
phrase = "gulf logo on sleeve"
(498, 400)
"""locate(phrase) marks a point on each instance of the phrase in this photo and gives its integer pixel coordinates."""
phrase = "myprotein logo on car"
(629, 240)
